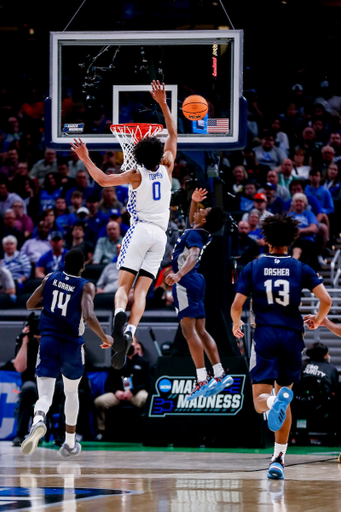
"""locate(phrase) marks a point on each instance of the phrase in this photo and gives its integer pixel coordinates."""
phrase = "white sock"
(218, 370)
(131, 328)
(278, 449)
(270, 401)
(201, 374)
(70, 439)
(37, 418)
(118, 310)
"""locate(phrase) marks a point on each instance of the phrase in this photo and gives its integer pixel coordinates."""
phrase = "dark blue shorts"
(189, 294)
(276, 355)
(59, 356)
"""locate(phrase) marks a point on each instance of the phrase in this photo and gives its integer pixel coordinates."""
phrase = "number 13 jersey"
(275, 283)
(149, 202)
(61, 315)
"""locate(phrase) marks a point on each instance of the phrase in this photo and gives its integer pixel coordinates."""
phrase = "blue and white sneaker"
(199, 388)
(218, 384)
(276, 469)
(30, 443)
(277, 413)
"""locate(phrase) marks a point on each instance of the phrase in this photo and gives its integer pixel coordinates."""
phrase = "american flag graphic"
(217, 125)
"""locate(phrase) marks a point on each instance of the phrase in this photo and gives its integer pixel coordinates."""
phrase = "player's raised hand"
(237, 331)
(199, 195)
(158, 92)
(79, 147)
(109, 341)
(310, 321)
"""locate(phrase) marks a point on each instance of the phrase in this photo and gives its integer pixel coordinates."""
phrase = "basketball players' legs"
(125, 282)
(207, 341)
(71, 409)
(282, 435)
(194, 343)
(141, 289)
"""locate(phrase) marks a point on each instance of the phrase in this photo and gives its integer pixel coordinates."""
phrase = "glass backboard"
(99, 79)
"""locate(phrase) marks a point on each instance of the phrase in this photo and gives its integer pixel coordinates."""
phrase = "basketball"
(194, 107)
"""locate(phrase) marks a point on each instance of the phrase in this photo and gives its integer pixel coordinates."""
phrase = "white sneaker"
(66, 452)
(29, 445)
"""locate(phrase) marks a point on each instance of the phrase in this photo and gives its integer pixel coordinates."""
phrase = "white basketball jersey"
(149, 202)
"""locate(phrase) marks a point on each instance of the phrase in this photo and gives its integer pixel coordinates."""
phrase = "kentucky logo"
(170, 395)
(19, 498)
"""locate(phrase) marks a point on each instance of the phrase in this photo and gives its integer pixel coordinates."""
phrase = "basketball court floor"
(131, 478)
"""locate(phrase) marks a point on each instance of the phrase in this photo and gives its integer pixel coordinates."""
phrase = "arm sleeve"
(309, 277)
(244, 282)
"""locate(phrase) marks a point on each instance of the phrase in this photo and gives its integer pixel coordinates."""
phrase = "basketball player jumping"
(275, 283)
(188, 289)
(144, 244)
(65, 299)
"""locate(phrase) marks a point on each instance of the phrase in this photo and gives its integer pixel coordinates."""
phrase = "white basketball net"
(128, 136)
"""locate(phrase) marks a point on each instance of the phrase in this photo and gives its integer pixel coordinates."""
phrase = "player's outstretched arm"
(198, 196)
(159, 94)
(314, 321)
(89, 316)
(36, 299)
(236, 314)
(111, 180)
(194, 253)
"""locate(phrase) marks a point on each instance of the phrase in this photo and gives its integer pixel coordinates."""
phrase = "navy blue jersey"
(62, 314)
(275, 283)
(189, 238)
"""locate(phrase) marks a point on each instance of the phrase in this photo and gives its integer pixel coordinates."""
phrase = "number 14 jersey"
(61, 315)
(275, 283)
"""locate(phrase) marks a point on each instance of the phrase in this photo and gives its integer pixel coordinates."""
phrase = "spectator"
(96, 219)
(318, 365)
(240, 178)
(327, 99)
(63, 173)
(108, 280)
(34, 248)
(45, 165)
(78, 242)
(16, 262)
(76, 201)
(75, 164)
(52, 260)
(81, 186)
(61, 213)
(11, 163)
(163, 293)
(260, 203)
(274, 204)
(49, 217)
(304, 248)
(317, 190)
(247, 199)
(13, 133)
(332, 181)
(50, 191)
(267, 153)
(109, 201)
(106, 247)
(292, 123)
(280, 191)
(10, 228)
(130, 384)
(281, 140)
(23, 222)
(248, 249)
(7, 198)
(327, 154)
(7, 289)
(308, 144)
(301, 171)
(285, 173)
(255, 232)
(335, 143)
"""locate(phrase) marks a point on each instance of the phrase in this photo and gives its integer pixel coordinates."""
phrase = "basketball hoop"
(130, 134)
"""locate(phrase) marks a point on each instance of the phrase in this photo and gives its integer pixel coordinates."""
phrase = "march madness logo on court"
(171, 392)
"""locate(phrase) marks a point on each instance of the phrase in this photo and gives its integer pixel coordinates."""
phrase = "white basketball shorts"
(143, 248)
